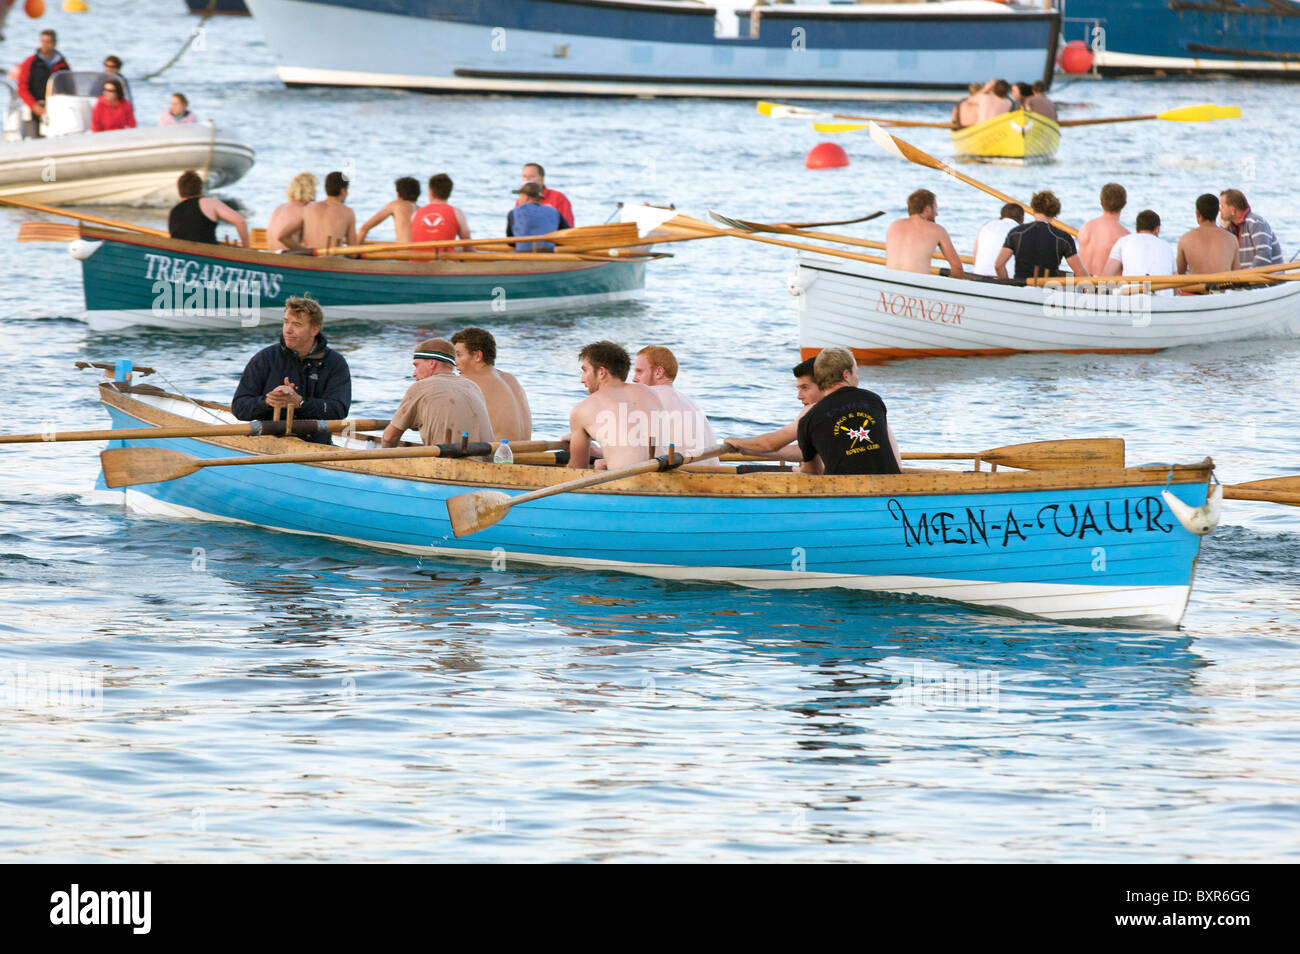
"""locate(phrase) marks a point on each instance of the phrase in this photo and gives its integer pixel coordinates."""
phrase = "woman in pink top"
(112, 111)
(179, 112)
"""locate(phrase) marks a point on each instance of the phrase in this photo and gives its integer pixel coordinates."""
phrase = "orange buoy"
(826, 155)
(34, 8)
(1076, 57)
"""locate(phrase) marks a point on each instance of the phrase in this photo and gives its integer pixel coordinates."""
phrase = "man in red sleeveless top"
(438, 220)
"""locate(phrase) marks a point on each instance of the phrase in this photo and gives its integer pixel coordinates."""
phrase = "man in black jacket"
(299, 371)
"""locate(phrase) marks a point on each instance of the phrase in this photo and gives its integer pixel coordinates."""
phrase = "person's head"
(48, 40)
(534, 173)
(922, 202)
(302, 188)
(834, 367)
(602, 363)
(190, 184)
(974, 88)
(475, 347)
(179, 104)
(336, 185)
(112, 64)
(655, 365)
(1024, 91)
(433, 356)
(1233, 206)
(1001, 87)
(1113, 197)
(1207, 208)
(1045, 203)
(1014, 211)
(407, 188)
(1040, 87)
(1148, 221)
(805, 387)
(530, 192)
(302, 323)
(112, 90)
(440, 187)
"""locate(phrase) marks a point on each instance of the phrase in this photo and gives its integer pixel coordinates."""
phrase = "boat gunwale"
(473, 474)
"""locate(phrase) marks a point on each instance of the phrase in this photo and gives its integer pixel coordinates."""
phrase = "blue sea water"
(230, 694)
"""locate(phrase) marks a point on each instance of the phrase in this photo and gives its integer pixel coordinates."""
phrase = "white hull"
(123, 167)
(880, 314)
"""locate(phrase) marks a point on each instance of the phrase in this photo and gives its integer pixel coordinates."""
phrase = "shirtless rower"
(288, 215)
(400, 210)
(328, 222)
(910, 242)
(781, 444)
(1099, 234)
(507, 404)
(684, 424)
(995, 99)
(967, 112)
(617, 414)
(1207, 248)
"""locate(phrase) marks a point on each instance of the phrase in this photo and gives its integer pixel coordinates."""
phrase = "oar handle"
(664, 462)
(301, 427)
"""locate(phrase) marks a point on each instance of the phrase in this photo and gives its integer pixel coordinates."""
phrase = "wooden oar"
(842, 127)
(95, 219)
(48, 232)
(1204, 113)
(1283, 490)
(480, 509)
(821, 117)
(904, 150)
(250, 429)
(125, 466)
(587, 234)
(1070, 454)
(705, 230)
(822, 236)
(1259, 273)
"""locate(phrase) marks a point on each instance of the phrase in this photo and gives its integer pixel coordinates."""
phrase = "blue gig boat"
(660, 47)
(1095, 544)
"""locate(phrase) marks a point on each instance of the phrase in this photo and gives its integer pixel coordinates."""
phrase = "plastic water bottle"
(504, 454)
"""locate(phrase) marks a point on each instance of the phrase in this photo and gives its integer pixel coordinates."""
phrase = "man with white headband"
(442, 405)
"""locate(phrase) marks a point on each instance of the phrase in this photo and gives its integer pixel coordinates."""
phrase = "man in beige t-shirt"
(442, 405)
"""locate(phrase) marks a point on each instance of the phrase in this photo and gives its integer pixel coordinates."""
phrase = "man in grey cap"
(440, 404)
(532, 217)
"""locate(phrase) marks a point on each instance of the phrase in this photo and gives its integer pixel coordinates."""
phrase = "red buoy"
(1076, 57)
(826, 155)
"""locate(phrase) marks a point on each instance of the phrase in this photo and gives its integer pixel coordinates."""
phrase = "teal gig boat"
(1074, 542)
(141, 280)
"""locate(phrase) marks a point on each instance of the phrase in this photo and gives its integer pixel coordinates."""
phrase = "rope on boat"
(208, 11)
(177, 391)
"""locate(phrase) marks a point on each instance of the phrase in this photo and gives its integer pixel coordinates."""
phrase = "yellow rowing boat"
(1016, 136)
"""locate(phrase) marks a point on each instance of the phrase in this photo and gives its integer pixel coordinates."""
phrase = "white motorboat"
(71, 164)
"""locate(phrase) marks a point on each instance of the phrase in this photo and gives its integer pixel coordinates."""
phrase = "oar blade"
(48, 232)
(839, 127)
(127, 466)
(891, 144)
(1205, 112)
(477, 510)
(1081, 453)
(730, 222)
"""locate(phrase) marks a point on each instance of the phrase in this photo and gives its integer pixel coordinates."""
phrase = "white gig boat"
(69, 164)
(880, 314)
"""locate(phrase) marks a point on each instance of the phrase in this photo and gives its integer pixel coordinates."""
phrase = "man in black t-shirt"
(846, 431)
(1039, 246)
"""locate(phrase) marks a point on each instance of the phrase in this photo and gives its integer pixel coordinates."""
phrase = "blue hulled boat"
(1241, 37)
(1095, 544)
(133, 279)
(733, 48)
